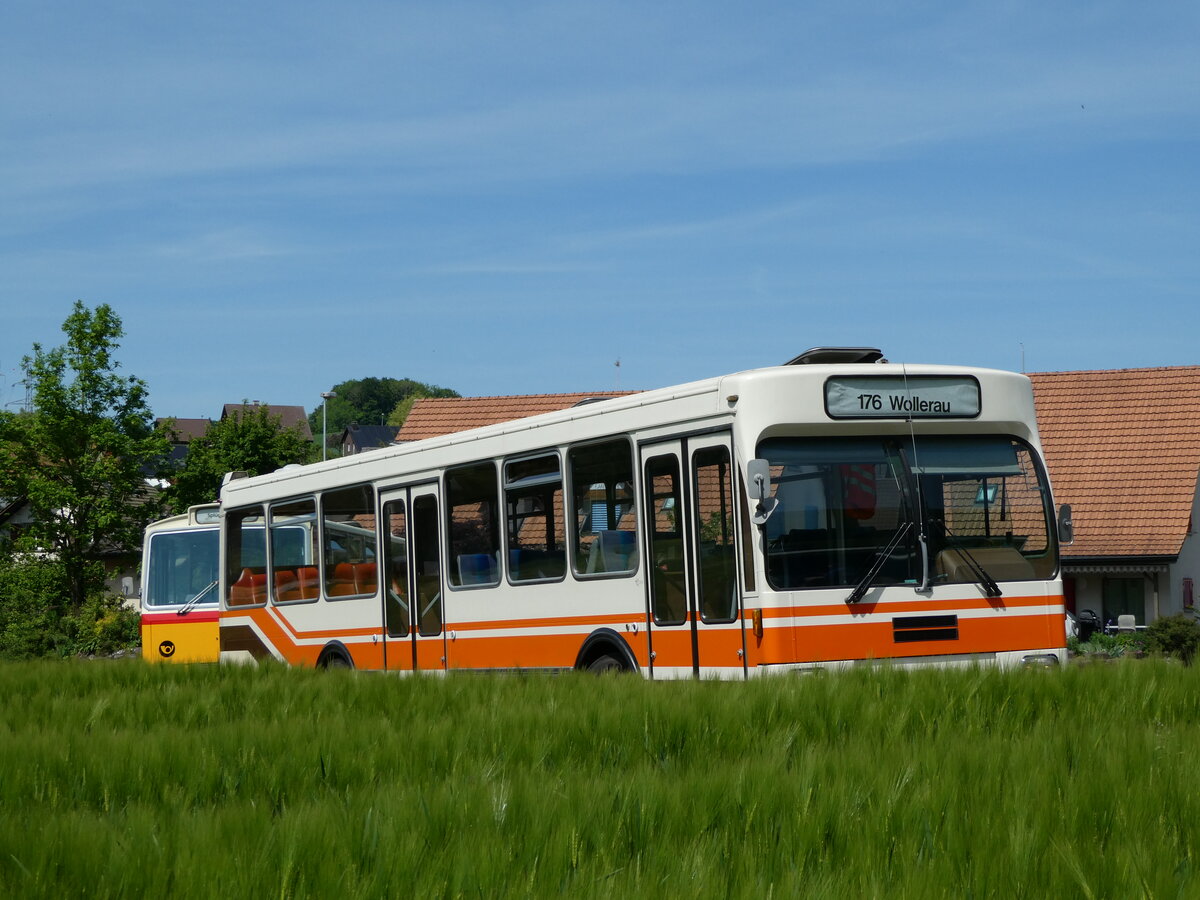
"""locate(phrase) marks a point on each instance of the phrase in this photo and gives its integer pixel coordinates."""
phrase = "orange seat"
(309, 583)
(366, 578)
(342, 584)
(249, 589)
(286, 586)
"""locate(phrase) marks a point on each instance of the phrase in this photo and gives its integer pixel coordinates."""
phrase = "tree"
(404, 407)
(80, 457)
(370, 401)
(250, 440)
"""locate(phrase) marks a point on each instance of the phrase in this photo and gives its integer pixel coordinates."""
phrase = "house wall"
(1089, 591)
(1188, 564)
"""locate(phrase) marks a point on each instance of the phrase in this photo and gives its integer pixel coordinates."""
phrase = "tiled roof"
(434, 416)
(184, 431)
(1123, 448)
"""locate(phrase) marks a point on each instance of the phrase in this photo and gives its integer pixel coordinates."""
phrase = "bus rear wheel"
(604, 665)
(334, 659)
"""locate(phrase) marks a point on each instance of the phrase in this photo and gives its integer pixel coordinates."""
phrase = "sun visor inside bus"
(967, 457)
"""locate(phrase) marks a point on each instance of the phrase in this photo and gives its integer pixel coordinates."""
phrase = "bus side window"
(348, 528)
(602, 507)
(245, 558)
(427, 565)
(667, 587)
(473, 529)
(717, 568)
(293, 547)
(395, 563)
(533, 496)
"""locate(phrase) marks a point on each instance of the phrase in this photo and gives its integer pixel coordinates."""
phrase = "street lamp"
(325, 395)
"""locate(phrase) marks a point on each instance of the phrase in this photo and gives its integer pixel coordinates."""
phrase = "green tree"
(370, 401)
(404, 407)
(80, 457)
(250, 440)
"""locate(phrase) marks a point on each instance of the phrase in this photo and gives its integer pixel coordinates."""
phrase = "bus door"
(412, 596)
(694, 603)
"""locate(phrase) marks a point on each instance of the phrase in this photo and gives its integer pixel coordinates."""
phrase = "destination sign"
(898, 397)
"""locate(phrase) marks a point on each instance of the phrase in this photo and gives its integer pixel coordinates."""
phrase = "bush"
(103, 626)
(1176, 636)
(36, 619)
(1114, 646)
(32, 600)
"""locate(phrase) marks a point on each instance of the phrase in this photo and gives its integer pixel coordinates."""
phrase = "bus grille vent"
(907, 629)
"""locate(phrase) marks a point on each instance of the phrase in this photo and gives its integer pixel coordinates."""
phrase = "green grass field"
(126, 780)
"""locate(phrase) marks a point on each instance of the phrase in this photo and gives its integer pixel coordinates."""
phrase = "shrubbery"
(1176, 636)
(36, 618)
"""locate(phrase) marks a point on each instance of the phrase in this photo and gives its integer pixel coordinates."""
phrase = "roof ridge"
(1118, 371)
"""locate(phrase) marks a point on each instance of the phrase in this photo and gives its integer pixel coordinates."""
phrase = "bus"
(835, 510)
(180, 603)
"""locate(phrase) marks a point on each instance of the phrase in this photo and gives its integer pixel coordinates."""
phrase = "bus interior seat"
(309, 581)
(287, 586)
(366, 577)
(612, 551)
(476, 568)
(249, 589)
(342, 583)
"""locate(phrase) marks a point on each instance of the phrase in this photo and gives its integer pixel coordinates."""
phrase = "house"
(357, 438)
(182, 433)
(434, 416)
(1123, 449)
(14, 517)
(289, 416)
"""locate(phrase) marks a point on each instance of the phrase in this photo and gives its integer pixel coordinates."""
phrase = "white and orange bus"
(834, 510)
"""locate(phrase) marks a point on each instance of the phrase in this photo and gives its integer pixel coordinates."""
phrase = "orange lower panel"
(539, 651)
(875, 640)
(718, 647)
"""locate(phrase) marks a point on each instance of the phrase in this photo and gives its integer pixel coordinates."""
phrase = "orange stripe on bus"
(884, 608)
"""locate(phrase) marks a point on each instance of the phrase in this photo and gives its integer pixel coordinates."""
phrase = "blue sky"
(509, 198)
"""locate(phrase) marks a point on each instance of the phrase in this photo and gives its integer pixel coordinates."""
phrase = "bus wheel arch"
(606, 651)
(335, 656)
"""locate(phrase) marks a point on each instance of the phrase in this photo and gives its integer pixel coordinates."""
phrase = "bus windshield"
(853, 509)
(181, 566)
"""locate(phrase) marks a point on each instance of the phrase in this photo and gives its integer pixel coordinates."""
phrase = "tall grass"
(123, 780)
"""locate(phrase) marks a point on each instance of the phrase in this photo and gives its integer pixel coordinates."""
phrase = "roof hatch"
(826, 356)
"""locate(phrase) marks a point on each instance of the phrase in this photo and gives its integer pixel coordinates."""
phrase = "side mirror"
(1066, 527)
(758, 486)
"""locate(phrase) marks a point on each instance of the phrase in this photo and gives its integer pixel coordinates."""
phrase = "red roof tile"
(434, 416)
(1123, 448)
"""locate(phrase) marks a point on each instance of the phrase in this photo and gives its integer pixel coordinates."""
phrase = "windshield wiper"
(986, 581)
(880, 558)
(191, 604)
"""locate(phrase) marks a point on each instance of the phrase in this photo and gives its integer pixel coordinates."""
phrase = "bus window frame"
(312, 537)
(242, 513)
(573, 556)
(371, 509)
(449, 560)
(563, 529)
